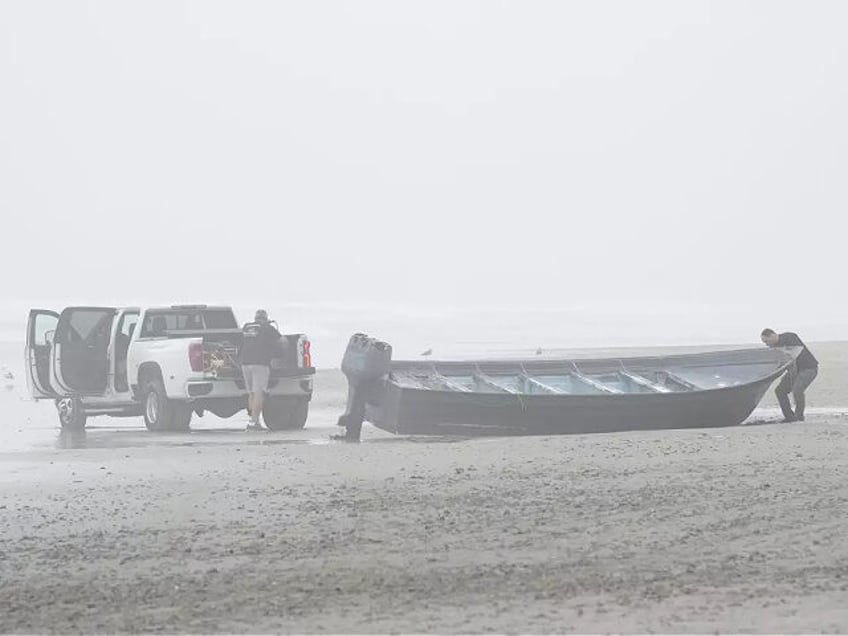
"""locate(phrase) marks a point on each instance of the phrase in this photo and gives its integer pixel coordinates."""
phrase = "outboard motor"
(366, 361)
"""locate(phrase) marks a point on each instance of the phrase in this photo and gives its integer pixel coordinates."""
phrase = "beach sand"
(728, 529)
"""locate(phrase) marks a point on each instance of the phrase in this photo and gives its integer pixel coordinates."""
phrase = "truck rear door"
(80, 361)
(41, 328)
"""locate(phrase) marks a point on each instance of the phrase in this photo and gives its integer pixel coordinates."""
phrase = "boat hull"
(407, 411)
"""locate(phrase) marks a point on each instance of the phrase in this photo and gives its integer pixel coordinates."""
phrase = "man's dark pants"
(795, 382)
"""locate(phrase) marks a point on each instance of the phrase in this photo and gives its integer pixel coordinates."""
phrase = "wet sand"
(732, 529)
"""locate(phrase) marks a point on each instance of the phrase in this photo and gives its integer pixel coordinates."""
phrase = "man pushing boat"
(797, 378)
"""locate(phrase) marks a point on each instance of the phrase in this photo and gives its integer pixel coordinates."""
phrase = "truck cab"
(165, 364)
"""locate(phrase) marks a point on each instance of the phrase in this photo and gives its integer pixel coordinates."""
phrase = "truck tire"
(162, 413)
(285, 413)
(72, 415)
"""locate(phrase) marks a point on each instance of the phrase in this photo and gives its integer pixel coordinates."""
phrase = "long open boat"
(543, 397)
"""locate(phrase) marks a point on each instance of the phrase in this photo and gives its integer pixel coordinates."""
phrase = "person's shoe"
(799, 418)
(787, 420)
(254, 426)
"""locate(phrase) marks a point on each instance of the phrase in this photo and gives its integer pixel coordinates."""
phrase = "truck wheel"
(72, 415)
(161, 413)
(285, 413)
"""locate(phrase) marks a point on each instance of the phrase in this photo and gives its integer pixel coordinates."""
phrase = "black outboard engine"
(366, 361)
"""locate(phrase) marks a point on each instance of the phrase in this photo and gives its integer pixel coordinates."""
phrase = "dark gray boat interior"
(623, 376)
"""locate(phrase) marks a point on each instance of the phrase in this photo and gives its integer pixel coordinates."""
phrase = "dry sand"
(734, 529)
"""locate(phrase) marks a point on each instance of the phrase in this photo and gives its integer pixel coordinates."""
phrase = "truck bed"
(220, 355)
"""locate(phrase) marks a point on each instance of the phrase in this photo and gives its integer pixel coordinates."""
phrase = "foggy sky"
(485, 154)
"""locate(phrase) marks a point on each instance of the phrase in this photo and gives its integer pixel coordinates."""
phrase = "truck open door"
(41, 328)
(80, 360)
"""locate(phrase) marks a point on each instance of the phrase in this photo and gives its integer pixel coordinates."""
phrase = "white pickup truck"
(163, 363)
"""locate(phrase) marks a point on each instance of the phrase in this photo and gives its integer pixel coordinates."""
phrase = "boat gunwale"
(411, 365)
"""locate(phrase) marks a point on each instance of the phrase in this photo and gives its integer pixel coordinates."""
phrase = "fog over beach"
(680, 154)
(520, 179)
(494, 330)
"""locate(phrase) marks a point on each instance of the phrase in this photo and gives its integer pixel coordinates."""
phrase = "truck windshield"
(157, 323)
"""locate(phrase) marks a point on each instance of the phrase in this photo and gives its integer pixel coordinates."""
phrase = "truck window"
(45, 324)
(220, 320)
(87, 326)
(158, 323)
(128, 324)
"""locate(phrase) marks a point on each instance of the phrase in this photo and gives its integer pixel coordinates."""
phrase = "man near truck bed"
(261, 342)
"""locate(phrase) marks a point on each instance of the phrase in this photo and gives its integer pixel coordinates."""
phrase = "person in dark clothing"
(260, 344)
(799, 376)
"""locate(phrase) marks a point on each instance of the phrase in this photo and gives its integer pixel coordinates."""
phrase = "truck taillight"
(307, 354)
(195, 356)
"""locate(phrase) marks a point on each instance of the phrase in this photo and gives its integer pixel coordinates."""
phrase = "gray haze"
(640, 162)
